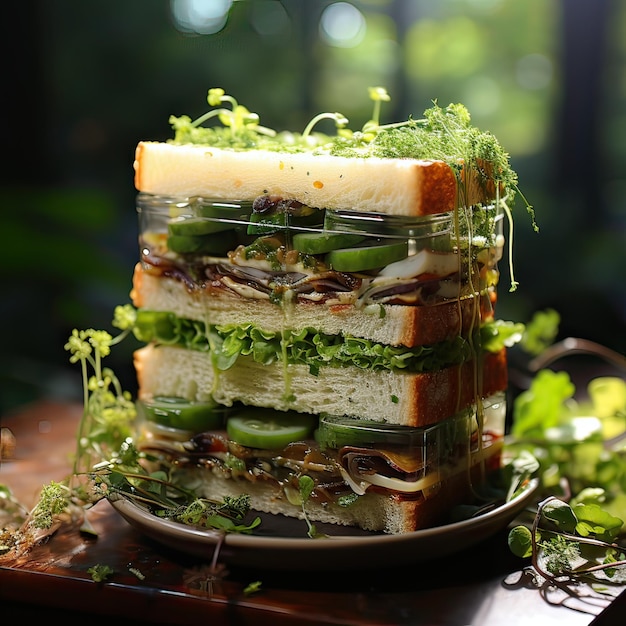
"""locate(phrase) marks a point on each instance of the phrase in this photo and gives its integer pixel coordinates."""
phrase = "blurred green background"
(85, 81)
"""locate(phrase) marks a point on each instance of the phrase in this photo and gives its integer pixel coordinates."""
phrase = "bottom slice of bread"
(383, 512)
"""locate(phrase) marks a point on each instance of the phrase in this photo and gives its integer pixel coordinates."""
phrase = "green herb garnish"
(100, 573)
(54, 500)
(306, 485)
(572, 543)
(579, 448)
(253, 587)
(108, 411)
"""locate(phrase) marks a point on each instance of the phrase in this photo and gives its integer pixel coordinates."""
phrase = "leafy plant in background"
(580, 446)
(108, 410)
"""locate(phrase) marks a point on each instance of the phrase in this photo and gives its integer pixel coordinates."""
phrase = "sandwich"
(318, 313)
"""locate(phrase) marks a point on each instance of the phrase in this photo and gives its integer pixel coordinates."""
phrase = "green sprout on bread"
(370, 129)
(244, 130)
(339, 119)
(237, 118)
(241, 124)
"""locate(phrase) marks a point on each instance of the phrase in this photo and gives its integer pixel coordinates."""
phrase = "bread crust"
(403, 187)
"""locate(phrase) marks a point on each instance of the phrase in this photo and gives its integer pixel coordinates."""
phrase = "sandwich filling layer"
(348, 462)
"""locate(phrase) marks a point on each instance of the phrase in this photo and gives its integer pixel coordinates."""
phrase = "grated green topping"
(444, 134)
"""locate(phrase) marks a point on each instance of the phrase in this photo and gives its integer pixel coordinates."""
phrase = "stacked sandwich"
(318, 314)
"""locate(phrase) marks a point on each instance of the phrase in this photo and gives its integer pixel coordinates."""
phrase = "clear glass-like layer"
(277, 246)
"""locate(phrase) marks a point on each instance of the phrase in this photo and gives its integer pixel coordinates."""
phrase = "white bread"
(399, 325)
(396, 397)
(403, 187)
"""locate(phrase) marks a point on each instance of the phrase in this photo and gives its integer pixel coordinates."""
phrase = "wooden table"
(482, 586)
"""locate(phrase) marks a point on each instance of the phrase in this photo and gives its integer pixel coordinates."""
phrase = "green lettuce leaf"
(227, 342)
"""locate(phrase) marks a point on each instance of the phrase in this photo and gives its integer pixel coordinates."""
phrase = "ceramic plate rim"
(167, 529)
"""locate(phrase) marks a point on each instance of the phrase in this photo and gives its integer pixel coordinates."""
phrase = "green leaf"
(525, 463)
(594, 520)
(589, 495)
(520, 541)
(99, 573)
(608, 396)
(518, 471)
(541, 406)
(561, 514)
(246, 528)
(541, 331)
(612, 556)
(306, 485)
(252, 587)
(616, 506)
(218, 522)
(499, 334)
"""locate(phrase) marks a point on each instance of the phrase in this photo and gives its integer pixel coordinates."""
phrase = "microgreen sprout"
(56, 504)
(339, 119)
(54, 499)
(125, 477)
(305, 488)
(442, 134)
(378, 95)
(237, 118)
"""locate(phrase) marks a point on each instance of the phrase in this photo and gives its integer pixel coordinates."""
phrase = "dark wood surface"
(484, 585)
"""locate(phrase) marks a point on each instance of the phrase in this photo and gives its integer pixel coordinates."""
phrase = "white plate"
(284, 544)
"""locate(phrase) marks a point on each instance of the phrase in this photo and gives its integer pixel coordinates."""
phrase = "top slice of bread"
(402, 187)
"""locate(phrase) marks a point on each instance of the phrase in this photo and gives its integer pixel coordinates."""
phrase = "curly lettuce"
(227, 342)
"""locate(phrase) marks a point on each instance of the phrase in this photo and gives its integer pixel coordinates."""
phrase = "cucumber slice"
(179, 413)
(366, 258)
(224, 211)
(269, 429)
(337, 432)
(193, 226)
(321, 243)
(263, 224)
(210, 244)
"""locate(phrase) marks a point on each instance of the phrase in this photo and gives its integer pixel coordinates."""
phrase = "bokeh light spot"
(342, 25)
(201, 17)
